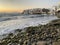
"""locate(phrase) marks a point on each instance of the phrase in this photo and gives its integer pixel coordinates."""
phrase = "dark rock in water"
(18, 30)
(32, 35)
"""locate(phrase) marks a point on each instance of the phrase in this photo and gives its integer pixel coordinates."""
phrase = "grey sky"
(25, 4)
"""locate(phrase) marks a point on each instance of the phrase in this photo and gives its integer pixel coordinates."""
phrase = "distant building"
(37, 11)
(33, 11)
(58, 10)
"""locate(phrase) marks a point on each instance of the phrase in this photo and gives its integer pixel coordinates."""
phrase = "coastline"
(23, 21)
(50, 31)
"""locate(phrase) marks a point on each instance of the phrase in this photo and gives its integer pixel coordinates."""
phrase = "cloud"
(27, 3)
(9, 1)
(12, 1)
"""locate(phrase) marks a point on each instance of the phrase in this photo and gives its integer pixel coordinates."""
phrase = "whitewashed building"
(36, 11)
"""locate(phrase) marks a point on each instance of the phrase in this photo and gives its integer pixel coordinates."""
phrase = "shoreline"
(24, 21)
(50, 31)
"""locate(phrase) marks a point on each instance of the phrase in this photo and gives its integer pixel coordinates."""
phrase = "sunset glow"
(20, 5)
(10, 10)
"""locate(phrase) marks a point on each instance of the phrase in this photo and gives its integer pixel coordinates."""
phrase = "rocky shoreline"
(48, 34)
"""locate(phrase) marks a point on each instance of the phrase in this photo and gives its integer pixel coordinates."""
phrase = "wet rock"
(41, 43)
(56, 43)
(38, 35)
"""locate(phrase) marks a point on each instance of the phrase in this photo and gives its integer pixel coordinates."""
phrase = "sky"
(19, 5)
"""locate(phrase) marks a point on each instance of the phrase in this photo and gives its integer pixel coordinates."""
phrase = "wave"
(20, 22)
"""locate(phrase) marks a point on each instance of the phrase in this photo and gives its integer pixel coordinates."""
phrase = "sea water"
(10, 23)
